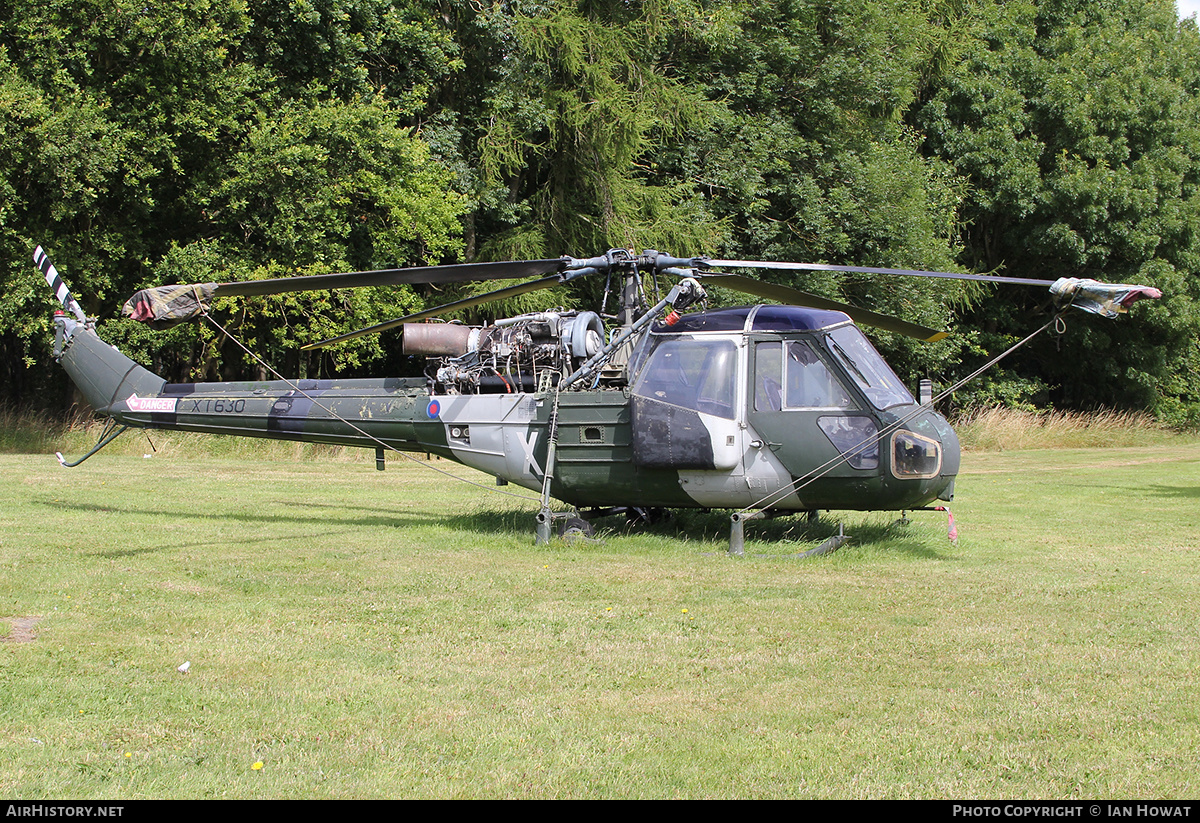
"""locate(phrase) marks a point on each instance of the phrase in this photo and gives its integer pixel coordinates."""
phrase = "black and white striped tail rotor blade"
(61, 291)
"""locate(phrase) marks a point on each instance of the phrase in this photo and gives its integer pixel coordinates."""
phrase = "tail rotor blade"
(42, 261)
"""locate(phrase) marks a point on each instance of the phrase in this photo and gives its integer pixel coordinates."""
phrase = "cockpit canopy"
(692, 363)
(754, 318)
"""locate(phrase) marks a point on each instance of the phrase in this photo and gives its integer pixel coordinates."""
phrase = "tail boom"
(103, 374)
(364, 413)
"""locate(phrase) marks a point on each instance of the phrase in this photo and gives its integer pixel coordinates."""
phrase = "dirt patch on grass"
(191, 588)
(21, 629)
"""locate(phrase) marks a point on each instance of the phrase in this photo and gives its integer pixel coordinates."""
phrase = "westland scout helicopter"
(765, 409)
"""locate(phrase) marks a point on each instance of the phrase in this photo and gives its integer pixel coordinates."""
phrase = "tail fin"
(104, 375)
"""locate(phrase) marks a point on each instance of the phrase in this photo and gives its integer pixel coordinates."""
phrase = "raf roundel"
(433, 409)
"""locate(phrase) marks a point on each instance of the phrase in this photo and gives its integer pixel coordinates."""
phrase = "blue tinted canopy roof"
(754, 318)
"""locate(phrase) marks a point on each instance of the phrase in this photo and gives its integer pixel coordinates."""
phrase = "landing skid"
(110, 433)
(737, 533)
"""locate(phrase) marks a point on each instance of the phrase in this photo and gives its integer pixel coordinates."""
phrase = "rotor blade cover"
(1104, 299)
(166, 306)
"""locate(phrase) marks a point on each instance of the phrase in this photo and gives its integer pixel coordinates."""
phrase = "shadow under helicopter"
(1173, 491)
(708, 532)
(1121, 493)
(777, 538)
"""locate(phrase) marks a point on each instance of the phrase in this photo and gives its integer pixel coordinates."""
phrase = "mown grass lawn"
(398, 634)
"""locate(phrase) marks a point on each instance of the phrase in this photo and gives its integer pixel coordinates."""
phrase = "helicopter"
(766, 409)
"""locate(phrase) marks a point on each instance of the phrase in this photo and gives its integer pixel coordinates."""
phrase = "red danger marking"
(151, 404)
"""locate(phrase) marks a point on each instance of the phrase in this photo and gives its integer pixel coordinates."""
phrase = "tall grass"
(999, 429)
(988, 429)
(27, 432)
(31, 432)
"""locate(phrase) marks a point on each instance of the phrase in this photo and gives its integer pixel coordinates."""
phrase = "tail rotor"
(61, 291)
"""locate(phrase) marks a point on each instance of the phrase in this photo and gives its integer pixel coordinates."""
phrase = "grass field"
(362, 635)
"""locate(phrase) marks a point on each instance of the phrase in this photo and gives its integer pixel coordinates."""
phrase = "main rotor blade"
(944, 275)
(786, 294)
(165, 306)
(465, 303)
(503, 270)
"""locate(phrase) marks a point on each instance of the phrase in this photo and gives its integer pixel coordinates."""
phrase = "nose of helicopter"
(924, 455)
(934, 426)
(951, 458)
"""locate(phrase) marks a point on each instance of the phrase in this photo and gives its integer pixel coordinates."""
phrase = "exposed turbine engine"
(513, 355)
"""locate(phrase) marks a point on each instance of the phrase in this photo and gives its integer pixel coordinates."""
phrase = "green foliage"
(805, 157)
(343, 49)
(1078, 125)
(1001, 388)
(337, 184)
(145, 144)
(576, 109)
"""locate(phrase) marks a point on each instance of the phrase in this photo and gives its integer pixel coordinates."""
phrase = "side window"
(695, 374)
(810, 385)
(768, 376)
(791, 376)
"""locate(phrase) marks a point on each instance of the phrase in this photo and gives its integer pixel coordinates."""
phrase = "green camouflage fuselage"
(668, 439)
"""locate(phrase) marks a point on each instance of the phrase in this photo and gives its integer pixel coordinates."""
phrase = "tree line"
(183, 141)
